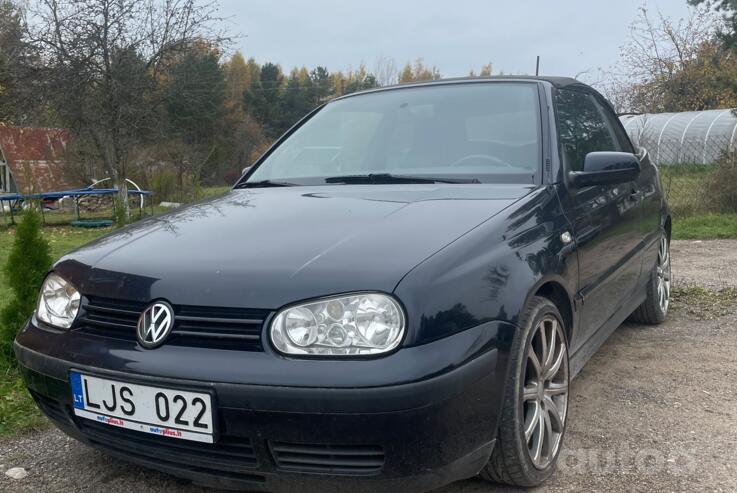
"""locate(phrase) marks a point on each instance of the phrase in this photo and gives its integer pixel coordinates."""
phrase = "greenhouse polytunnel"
(691, 137)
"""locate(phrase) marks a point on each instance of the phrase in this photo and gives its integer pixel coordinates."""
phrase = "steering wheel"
(487, 157)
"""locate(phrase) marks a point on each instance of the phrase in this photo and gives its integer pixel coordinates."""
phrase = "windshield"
(476, 132)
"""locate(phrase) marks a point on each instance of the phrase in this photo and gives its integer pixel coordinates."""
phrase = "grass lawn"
(685, 188)
(705, 227)
(17, 410)
(207, 192)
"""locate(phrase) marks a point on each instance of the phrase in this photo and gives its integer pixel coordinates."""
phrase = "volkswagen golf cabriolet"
(395, 296)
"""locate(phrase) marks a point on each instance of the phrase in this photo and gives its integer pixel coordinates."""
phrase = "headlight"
(58, 303)
(352, 325)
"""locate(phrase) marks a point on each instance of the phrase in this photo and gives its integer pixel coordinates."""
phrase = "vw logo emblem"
(155, 324)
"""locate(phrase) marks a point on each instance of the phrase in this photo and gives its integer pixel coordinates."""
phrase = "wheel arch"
(557, 294)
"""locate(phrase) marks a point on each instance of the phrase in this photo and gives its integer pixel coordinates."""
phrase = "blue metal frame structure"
(79, 192)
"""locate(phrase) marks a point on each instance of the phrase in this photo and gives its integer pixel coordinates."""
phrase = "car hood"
(263, 248)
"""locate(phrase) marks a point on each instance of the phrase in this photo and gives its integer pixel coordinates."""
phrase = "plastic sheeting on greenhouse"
(691, 137)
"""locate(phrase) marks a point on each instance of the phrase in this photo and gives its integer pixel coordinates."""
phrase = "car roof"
(555, 81)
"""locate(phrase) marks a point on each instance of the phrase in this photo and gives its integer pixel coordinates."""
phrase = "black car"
(394, 297)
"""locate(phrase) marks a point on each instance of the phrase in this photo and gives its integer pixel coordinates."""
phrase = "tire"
(513, 458)
(655, 307)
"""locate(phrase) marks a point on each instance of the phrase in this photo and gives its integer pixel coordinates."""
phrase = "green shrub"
(28, 261)
(163, 182)
(722, 185)
(120, 218)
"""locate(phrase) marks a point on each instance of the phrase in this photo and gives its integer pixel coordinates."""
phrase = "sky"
(572, 37)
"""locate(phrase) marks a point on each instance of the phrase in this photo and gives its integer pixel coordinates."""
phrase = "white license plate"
(159, 411)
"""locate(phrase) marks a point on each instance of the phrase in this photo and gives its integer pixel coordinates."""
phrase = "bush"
(721, 190)
(28, 261)
(163, 182)
(119, 214)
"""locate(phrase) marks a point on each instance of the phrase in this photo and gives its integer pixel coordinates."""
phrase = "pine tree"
(196, 95)
(296, 101)
(322, 84)
(262, 98)
(27, 264)
(357, 80)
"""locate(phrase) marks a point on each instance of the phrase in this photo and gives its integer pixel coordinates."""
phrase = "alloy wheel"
(545, 392)
(663, 270)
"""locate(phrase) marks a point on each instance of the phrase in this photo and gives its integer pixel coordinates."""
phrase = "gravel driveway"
(654, 409)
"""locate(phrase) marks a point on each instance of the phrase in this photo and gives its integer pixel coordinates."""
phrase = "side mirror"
(604, 168)
(246, 170)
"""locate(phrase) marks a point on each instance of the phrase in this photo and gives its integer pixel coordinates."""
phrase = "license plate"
(159, 411)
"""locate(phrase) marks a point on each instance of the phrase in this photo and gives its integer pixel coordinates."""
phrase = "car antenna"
(537, 66)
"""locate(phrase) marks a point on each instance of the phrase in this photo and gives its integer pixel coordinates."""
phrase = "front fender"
(490, 272)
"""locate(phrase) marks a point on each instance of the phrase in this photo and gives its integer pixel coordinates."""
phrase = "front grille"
(329, 459)
(228, 455)
(197, 326)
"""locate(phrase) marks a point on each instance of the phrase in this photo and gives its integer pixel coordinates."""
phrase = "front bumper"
(429, 421)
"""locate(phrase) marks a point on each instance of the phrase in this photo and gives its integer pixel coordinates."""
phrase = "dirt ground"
(654, 410)
(708, 264)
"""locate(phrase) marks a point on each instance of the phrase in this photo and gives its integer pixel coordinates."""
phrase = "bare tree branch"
(102, 60)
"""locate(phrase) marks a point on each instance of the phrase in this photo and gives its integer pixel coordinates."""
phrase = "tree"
(10, 35)
(195, 102)
(27, 263)
(484, 72)
(18, 101)
(298, 98)
(419, 71)
(104, 67)
(671, 65)
(242, 135)
(237, 79)
(263, 96)
(406, 75)
(385, 71)
(321, 85)
(357, 80)
(728, 31)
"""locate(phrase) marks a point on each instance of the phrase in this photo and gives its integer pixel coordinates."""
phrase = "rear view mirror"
(604, 168)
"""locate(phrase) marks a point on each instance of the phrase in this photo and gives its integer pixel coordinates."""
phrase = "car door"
(646, 191)
(605, 219)
(648, 185)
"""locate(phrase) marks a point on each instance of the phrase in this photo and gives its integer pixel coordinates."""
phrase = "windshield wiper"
(265, 184)
(383, 178)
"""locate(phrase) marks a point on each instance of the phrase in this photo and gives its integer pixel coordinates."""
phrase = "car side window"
(582, 127)
(620, 134)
